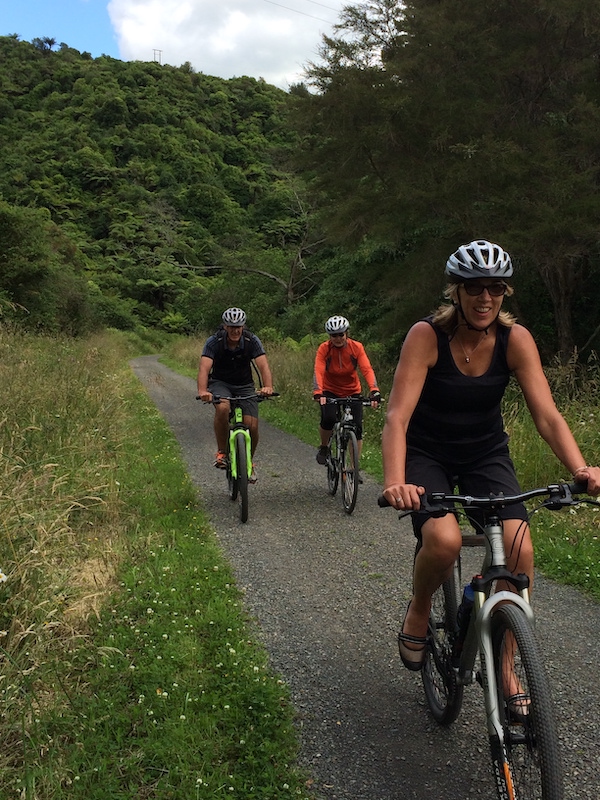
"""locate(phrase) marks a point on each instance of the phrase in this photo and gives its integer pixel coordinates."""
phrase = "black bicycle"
(342, 459)
(488, 637)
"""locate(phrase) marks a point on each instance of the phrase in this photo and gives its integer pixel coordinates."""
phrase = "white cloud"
(226, 38)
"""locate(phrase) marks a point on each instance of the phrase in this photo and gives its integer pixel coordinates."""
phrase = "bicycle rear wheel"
(349, 464)
(242, 472)
(443, 694)
(333, 465)
(528, 766)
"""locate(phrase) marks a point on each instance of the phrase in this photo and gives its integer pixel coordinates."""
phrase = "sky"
(225, 38)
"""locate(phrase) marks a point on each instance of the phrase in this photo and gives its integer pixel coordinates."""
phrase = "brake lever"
(562, 496)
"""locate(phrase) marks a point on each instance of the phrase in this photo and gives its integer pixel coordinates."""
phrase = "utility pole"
(157, 56)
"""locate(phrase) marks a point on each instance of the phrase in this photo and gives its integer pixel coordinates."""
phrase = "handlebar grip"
(578, 487)
(382, 502)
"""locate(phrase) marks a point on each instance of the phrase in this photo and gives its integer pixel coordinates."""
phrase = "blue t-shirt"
(233, 366)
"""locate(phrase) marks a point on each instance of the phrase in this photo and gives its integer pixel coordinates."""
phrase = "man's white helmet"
(234, 316)
(479, 259)
(337, 325)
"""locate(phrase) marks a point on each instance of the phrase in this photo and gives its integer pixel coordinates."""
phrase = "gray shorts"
(492, 474)
(249, 407)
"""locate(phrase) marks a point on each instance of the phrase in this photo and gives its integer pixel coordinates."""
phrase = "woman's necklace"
(468, 357)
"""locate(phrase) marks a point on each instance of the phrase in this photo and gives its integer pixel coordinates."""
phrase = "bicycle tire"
(349, 470)
(529, 765)
(444, 695)
(333, 465)
(232, 483)
(242, 471)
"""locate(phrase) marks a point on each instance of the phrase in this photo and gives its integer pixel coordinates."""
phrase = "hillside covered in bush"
(130, 191)
(133, 193)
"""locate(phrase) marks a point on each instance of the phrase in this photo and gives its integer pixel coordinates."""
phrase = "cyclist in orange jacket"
(336, 375)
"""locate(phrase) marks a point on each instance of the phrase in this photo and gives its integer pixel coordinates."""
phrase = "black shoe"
(413, 657)
(518, 707)
(322, 455)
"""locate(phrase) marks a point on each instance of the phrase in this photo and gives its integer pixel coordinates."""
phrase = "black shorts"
(249, 407)
(330, 413)
(492, 474)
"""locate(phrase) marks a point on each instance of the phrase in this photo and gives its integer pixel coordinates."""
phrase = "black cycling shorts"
(331, 411)
(492, 474)
(249, 407)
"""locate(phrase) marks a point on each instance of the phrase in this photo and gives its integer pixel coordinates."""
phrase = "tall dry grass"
(61, 431)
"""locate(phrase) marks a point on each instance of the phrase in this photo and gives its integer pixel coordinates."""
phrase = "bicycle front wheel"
(242, 474)
(443, 694)
(232, 482)
(349, 462)
(333, 465)
(529, 765)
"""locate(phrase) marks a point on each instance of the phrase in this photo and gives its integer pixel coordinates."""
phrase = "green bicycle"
(239, 451)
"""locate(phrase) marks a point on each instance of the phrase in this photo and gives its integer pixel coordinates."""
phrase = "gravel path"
(328, 591)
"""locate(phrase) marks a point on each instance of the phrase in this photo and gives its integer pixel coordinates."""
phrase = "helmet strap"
(468, 325)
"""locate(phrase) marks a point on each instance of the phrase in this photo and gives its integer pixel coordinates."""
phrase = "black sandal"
(413, 658)
(518, 706)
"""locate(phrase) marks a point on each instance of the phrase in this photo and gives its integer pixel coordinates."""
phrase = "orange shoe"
(221, 460)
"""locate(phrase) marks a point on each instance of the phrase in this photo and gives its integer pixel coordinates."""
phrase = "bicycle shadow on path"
(328, 591)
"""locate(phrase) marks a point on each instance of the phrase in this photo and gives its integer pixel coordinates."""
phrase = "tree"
(477, 118)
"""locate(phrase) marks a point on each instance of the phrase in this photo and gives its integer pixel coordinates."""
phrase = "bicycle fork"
(235, 430)
(483, 625)
(479, 639)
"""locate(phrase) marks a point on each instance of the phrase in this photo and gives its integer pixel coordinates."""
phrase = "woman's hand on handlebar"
(404, 496)
(591, 476)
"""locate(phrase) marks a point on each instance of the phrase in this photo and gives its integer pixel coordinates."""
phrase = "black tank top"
(458, 417)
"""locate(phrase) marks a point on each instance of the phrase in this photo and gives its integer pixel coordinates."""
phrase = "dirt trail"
(328, 591)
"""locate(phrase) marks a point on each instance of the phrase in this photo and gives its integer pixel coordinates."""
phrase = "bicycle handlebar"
(558, 495)
(256, 396)
(365, 401)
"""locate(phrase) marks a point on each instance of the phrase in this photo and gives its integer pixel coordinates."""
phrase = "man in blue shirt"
(226, 370)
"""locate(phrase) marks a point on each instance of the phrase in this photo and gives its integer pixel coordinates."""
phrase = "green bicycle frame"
(237, 428)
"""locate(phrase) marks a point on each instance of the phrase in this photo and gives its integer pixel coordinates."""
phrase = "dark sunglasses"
(494, 289)
(337, 335)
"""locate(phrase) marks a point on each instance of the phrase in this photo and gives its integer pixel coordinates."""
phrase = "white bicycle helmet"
(234, 316)
(337, 325)
(479, 259)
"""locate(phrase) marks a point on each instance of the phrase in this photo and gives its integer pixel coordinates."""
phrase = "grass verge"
(128, 665)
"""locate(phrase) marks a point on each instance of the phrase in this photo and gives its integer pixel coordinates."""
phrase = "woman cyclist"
(336, 375)
(444, 422)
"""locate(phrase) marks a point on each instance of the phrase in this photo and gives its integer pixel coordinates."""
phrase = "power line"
(314, 2)
(328, 21)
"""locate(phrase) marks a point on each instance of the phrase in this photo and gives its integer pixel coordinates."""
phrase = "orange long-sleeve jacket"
(336, 369)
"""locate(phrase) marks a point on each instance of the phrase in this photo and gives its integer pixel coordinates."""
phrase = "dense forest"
(140, 194)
